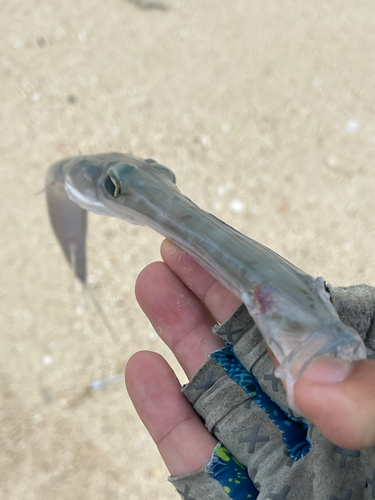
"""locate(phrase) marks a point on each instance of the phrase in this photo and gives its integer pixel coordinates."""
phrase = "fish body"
(290, 307)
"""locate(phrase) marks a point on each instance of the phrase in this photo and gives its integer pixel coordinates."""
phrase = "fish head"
(81, 183)
(136, 190)
(137, 176)
(118, 184)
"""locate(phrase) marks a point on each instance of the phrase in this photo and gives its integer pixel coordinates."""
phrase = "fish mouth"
(81, 187)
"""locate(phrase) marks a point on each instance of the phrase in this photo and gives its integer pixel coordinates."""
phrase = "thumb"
(339, 398)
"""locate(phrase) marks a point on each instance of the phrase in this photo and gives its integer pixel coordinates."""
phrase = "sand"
(265, 112)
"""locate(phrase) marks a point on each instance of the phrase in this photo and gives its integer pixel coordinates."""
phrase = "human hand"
(182, 302)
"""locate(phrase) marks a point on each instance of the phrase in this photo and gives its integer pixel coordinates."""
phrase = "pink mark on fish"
(263, 299)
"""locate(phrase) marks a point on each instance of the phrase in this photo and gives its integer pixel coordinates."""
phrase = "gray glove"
(245, 406)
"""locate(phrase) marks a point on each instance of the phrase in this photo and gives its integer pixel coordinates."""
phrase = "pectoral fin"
(69, 222)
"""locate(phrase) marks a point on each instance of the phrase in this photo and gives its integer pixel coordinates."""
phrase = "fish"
(291, 308)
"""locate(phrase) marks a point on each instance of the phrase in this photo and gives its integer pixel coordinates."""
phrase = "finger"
(213, 294)
(183, 442)
(218, 299)
(179, 317)
(343, 411)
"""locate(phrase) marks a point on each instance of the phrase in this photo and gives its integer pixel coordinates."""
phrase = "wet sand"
(264, 111)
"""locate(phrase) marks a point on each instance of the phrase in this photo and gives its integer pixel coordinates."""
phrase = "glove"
(265, 450)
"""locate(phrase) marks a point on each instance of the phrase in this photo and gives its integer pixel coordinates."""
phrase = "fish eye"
(112, 186)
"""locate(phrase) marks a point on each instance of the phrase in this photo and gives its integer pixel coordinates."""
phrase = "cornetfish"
(291, 308)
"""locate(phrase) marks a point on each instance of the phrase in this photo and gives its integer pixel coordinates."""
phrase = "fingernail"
(327, 370)
(169, 246)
